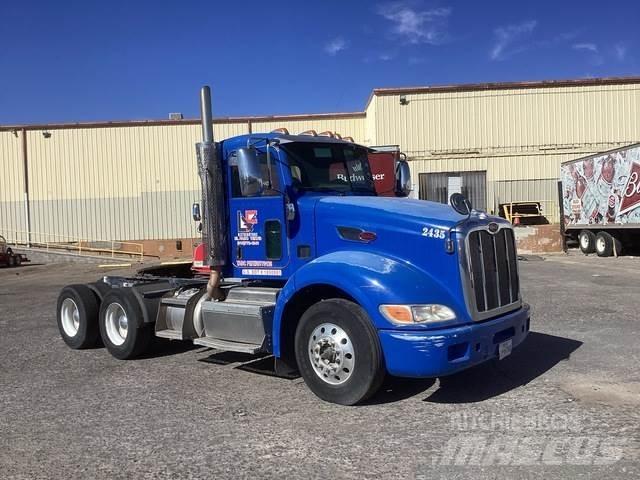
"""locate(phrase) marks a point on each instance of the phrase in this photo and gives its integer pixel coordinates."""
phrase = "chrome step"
(228, 345)
(263, 295)
(170, 334)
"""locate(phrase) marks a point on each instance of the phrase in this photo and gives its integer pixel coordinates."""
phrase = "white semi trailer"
(600, 200)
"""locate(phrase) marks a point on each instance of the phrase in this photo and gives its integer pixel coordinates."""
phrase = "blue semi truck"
(307, 263)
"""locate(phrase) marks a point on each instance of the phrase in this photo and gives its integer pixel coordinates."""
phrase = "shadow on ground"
(537, 355)
(161, 347)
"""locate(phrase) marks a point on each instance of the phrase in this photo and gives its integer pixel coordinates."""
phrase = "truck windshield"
(329, 167)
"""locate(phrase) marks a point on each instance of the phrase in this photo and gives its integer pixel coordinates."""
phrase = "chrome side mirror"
(403, 179)
(195, 212)
(249, 172)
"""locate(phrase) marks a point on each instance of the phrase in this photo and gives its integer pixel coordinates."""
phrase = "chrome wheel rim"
(116, 323)
(70, 316)
(331, 353)
(600, 244)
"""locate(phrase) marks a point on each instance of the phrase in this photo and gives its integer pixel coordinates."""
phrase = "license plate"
(504, 349)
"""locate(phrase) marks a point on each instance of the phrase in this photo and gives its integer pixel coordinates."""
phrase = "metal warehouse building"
(135, 181)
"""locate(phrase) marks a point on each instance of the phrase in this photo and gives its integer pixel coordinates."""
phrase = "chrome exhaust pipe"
(214, 233)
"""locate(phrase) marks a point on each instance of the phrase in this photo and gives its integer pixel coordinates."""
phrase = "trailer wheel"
(338, 352)
(587, 240)
(18, 260)
(122, 329)
(77, 316)
(605, 244)
(11, 262)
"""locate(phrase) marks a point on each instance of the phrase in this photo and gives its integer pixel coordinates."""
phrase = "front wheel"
(338, 352)
(122, 328)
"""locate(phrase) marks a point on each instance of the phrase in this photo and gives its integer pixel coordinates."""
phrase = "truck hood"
(389, 211)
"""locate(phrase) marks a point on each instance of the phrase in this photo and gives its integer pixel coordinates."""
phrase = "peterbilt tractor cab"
(275, 181)
(304, 260)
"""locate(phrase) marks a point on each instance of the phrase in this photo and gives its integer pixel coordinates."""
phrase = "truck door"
(259, 244)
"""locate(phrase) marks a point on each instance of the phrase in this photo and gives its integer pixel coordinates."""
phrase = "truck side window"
(235, 179)
(273, 244)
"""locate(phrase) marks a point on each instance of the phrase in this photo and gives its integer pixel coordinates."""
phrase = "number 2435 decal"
(433, 232)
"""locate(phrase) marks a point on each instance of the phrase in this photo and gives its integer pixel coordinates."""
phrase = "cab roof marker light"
(280, 130)
(311, 133)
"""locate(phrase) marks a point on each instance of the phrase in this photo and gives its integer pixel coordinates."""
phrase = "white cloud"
(590, 47)
(592, 51)
(508, 39)
(385, 57)
(416, 25)
(335, 45)
(620, 51)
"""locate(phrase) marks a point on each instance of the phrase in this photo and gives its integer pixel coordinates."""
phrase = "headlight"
(408, 314)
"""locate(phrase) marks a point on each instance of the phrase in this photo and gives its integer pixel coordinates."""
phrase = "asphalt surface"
(563, 405)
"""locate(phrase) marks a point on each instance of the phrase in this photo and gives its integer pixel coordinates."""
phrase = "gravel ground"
(563, 405)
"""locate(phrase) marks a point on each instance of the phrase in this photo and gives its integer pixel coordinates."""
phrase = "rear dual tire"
(606, 244)
(587, 241)
(83, 320)
(122, 327)
(77, 316)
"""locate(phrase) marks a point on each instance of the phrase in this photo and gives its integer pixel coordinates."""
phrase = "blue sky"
(83, 60)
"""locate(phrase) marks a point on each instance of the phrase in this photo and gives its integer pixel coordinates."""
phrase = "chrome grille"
(493, 270)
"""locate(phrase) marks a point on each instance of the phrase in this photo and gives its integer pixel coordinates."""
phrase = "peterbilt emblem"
(493, 227)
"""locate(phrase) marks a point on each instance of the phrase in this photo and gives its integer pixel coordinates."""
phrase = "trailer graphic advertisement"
(602, 190)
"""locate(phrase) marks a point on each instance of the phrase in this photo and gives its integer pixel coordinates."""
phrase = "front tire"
(587, 241)
(77, 316)
(122, 328)
(338, 352)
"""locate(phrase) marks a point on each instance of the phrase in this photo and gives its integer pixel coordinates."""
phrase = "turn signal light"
(397, 313)
(430, 313)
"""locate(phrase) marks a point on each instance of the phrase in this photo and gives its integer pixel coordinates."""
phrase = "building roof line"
(186, 121)
(474, 87)
(469, 87)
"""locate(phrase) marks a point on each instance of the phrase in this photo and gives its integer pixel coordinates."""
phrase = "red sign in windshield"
(383, 169)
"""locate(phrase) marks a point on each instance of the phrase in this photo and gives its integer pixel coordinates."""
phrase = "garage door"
(438, 187)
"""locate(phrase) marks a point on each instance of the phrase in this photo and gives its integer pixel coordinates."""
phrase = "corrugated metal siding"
(509, 120)
(12, 209)
(122, 183)
(137, 182)
(521, 134)
(117, 183)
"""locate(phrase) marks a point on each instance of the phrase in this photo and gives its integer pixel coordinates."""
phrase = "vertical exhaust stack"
(214, 233)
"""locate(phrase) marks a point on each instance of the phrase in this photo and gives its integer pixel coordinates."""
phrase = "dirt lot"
(563, 405)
